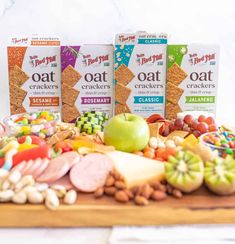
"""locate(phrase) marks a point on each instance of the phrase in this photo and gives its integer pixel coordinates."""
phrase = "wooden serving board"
(200, 207)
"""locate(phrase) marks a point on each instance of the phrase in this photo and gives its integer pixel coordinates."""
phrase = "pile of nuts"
(17, 189)
(115, 187)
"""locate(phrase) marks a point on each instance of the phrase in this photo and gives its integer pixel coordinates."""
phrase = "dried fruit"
(220, 175)
(184, 171)
(121, 196)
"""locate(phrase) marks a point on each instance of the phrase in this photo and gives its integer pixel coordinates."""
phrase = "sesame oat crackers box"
(192, 78)
(34, 74)
(140, 73)
(87, 80)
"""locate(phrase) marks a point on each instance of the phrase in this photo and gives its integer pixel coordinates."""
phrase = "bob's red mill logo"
(195, 59)
(141, 59)
(36, 61)
(88, 60)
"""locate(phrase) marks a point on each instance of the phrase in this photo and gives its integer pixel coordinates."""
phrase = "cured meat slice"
(58, 167)
(64, 181)
(91, 172)
(43, 165)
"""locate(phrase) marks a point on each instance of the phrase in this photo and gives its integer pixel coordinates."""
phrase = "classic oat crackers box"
(192, 78)
(140, 73)
(34, 74)
(87, 80)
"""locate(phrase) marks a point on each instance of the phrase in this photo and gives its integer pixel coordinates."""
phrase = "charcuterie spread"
(149, 135)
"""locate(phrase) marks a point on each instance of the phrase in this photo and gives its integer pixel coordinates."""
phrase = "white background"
(87, 21)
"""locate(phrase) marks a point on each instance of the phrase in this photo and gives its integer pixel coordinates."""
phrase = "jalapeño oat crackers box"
(87, 80)
(192, 78)
(140, 73)
(34, 74)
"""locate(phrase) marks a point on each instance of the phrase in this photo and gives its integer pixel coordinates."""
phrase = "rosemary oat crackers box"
(192, 78)
(140, 73)
(34, 74)
(87, 80)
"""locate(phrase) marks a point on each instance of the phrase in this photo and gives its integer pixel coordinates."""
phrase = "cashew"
(59, 190)
(35, 197)
(19, 198)
(5, 196)
(14, 177)
(26, 180)
(41, 187)
(178, 140)
(3, 173)
(6, 185)
(153, 142)
(70, 197)
(170, 144)
(52, 201)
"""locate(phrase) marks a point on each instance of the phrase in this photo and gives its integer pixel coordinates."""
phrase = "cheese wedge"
(136, 170)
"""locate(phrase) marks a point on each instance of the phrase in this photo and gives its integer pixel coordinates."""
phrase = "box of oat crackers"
(192, 78)
(140, 73)
(87, 80)
(34, 74)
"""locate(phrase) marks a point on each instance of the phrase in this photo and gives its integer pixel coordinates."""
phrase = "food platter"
(198, 208)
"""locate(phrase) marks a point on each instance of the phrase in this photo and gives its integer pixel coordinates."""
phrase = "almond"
(116, 176)
(129, 193)
(120, 185)
(140, 200)
(177, 193)
(110, 181)
(146, 191)
(99, 192)
(155, 185)
(158, 195)
(110, 191)
(162, 188)
(135, 189)
(121, 196)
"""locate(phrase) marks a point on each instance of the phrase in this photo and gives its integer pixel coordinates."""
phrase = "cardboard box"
(87, 80)
(34, 74)
(192, 78)
(140, 73)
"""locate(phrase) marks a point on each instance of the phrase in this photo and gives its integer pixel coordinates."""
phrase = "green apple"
(127, 132)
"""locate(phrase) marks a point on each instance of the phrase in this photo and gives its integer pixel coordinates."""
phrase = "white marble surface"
(96, 21)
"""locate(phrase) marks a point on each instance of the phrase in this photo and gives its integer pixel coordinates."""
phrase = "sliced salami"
(58, 167)
(91, 172)
(41, 168)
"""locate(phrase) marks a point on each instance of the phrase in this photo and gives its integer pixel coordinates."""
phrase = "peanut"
(158, 195)
(99, 192)
(140, 200)
(120, 185)
(121, 196)
(110, 191)
(110, 181)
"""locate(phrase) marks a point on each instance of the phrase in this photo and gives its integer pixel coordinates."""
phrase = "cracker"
(172, 110)
(17, 95)
(70, 76)
(17, 110)
(121, 108)
(17, 76)
(69, 95)
(122, 93)
(123, 75)
(69, 113)
(15, 56)
(173, 93)
(175, 74)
